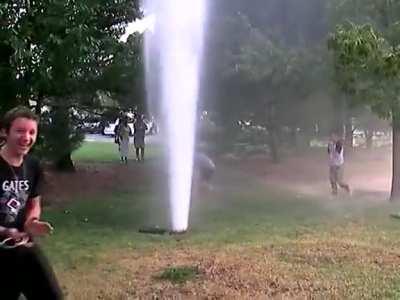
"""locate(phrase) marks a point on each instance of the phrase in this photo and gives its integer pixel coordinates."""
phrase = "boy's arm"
(33, 225)
(32, 220)
(33, 209)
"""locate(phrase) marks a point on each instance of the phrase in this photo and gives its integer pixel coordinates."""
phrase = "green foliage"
(124, 78)
(61, 134)
(63, 55)
(369, 67)
(58, 46)
(367, 62)
(258, 66)
(381, 14)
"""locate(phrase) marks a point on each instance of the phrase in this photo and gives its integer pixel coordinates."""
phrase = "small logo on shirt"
(14, 205)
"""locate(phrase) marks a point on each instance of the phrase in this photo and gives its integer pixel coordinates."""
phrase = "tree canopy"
(367, 58)
(60, 54)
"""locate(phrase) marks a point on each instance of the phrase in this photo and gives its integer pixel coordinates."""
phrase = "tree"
(124, 77)
(370, 124)
(368, 60)
(286, 26)
(279, 78)
(8, 84)
(59, 51)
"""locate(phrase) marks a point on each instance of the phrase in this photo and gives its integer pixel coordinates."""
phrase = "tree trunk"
(39, 104)
(368, 138)
(8, 90)
(348, 133)
(273, 144)
(305, 138)
(294, 141)
(65, 164)
(272, 133)
(395, 193)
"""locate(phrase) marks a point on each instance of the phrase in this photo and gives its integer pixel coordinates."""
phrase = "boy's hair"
(15, 113)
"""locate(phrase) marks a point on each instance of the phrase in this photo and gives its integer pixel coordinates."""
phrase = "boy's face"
(21, 136)
(334, 137)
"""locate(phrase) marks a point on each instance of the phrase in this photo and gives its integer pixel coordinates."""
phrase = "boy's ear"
(3, 132)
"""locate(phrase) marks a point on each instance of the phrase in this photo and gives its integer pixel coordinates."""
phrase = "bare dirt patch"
(367, 172)
(93, 179)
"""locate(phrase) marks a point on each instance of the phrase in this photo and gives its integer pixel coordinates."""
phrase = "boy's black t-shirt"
(17, 186)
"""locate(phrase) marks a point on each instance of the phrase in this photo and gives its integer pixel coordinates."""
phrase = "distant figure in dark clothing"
(116, 136)
(205, 166)
(139, 132)
(204, 169)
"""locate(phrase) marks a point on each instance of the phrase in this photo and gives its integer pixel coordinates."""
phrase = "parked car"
(110, 128)
(91, 127)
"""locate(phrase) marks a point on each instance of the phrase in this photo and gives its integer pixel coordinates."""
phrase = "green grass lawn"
(241, 212)
(258, 215)
(96, 152)
(104, 152)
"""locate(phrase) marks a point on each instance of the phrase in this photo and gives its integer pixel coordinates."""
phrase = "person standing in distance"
(139, 133)
(124, 131)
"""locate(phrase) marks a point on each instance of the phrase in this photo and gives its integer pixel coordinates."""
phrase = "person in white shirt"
(336, 162)
(123, 133)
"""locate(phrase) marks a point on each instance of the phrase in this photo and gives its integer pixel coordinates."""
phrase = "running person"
(336, 162)
(204, 169)
(24, 268)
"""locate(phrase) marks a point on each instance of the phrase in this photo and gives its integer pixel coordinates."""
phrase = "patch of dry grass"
(304, 269)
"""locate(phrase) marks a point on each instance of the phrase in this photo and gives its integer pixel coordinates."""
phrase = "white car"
(110, 128)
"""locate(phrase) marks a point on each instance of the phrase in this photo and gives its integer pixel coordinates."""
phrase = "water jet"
(178, 39)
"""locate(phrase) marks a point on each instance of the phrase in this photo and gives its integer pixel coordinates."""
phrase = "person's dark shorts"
(27, 271)
(138, 142)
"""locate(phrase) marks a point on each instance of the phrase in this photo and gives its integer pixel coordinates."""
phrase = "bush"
(59, 136)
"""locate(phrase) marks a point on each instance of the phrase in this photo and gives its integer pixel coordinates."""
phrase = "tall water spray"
(178, 39)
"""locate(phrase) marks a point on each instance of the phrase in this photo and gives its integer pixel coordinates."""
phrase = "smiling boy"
(24, 268)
